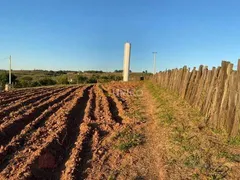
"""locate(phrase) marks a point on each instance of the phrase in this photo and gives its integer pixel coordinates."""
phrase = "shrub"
(4, 78)
(92, 80)
(25, 81)
(82, 79)
(47, 82)
(62, 79)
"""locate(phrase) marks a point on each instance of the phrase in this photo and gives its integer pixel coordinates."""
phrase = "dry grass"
(128, 138)
(193, 150)
(177, 142)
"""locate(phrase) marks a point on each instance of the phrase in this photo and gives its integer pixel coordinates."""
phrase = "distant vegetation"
(118, 71)
(4, 78)
(121, 71)
(35, 78)
(92, 71)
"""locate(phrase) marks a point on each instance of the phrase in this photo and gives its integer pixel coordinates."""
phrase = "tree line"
(55, 78)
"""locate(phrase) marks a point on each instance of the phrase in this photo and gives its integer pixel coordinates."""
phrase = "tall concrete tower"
(126, 61)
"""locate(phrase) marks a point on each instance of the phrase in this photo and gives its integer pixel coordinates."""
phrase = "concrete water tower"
(126, 61)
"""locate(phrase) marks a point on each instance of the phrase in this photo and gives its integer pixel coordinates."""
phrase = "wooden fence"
(216, 92)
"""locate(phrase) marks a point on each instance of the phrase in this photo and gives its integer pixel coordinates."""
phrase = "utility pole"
(154, 62)
(10, 70)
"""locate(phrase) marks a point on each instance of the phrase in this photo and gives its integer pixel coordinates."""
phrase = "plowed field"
(56, 132)
(109, 131)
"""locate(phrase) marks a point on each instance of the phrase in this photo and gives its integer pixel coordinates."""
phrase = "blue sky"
(90, 34)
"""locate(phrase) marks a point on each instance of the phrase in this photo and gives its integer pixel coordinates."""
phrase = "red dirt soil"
(59, 133)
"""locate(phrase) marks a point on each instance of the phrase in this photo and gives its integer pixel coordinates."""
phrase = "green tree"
(82, 79)
(92, 79)
(25, 81)
(4, 78)
(35, 84)
(118, 78)
(118, 71)
(93, 71)
(62, 79)
(47, 82)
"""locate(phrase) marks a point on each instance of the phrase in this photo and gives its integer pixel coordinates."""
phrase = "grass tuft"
(232, 157)
(193, 147)
(192, 161)
(234, 141)
(127, 139)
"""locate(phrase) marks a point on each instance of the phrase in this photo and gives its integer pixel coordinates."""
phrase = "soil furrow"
(73, 133)
(81, 154)
(113, 107)
(24, 109)
(15, 93)
(23, 92)
(7, 110)
(51, 142)
(6, 101)
(19, 141)
(120, 93)
(119, 103)
(104, 114)
(88, 142)
(14, 126)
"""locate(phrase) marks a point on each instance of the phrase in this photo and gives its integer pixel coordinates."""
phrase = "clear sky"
(90, 34)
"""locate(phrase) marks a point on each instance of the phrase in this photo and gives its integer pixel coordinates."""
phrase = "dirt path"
(178, 144)
(146, 161)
